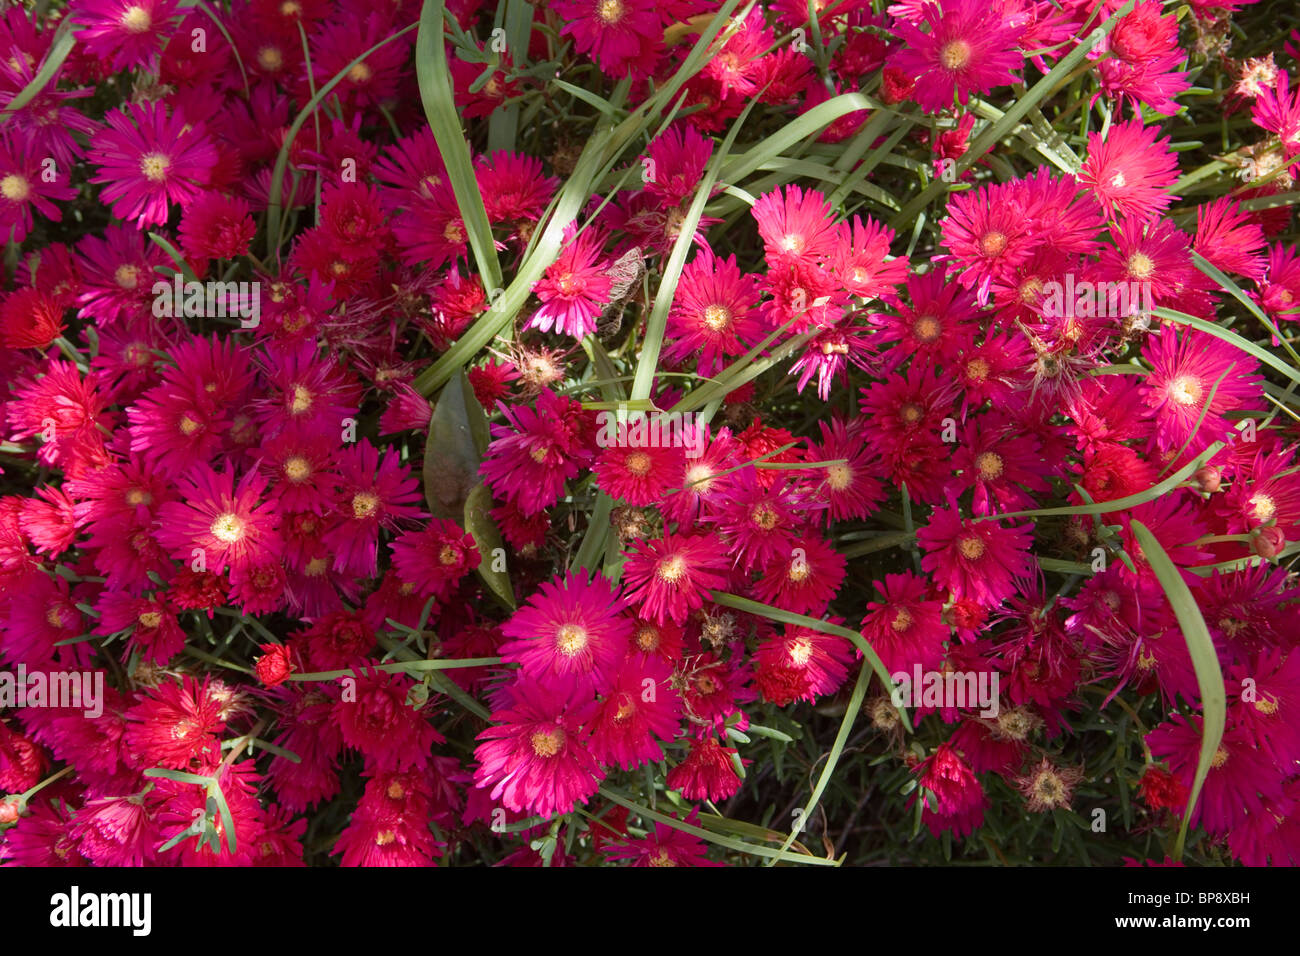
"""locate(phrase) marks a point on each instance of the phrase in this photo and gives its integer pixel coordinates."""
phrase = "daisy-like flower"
(219, 523)
(1131, 169)
(534, 756)
(678, 157)
(969, 48)
(707, 773)
(1185, 369)
(216, 226)
(571, 633)
(986, 232)
(30, 319)
(806, 582)
(796, 226)
(149, 160)
(126, 33)
(514, 187)
(849, 487)
(635, 471)
(536, 451)
(665, 846)
(1240, 778)
(379, 721)
(714, 314)
(176, 725)
(25, 186)
(669, 578)
(906, 626)
(1277, 110)
(801, 664)
(979, 560)
(1002, 465)
(374, 493)
(622, 36)
(762, 522)
(861, 259)
(436, 558)
(1229, 238)
(576, 287)
(1048, 787)
(952, 796)
(640, 709)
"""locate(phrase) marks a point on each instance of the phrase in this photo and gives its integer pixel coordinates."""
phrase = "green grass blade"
(1209, 676)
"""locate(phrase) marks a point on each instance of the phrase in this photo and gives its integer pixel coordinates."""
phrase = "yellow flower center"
(301, 400)
(154, 166)
(547, 743)
(127, 277)
(1140, 265)
(926, 328)
(971, 548)
(989, 464)
(610, 11)
(571, 639)
(136, 20)
(150, 619)
(800, 651)
(365, 504)
(954, 55)
(717, 317)
(297, 468)
(839, 477)
(671, 569)
(270, 59)
(360, 74)
(15, 188)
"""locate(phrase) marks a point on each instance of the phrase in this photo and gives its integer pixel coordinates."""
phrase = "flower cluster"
(393, 444)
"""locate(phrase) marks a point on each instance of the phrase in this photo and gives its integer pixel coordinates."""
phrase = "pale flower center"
(954, 55)
(360, 73)
(227, 527)
(989, 464)
(839, 477)
(154, 167)
(926, 328)
(570, 639)
(1185, 390)
(717, 317)
(364, 504)
(297, 468)
(800, 651)
(136, 20)
(150, 619)
(1262, 506)
(1140, 265)
(671, 569)
(15, 188)
(547, 743)
(610, 11)
(270, 59)
(971, 548)
(301, 400)
(128, 277)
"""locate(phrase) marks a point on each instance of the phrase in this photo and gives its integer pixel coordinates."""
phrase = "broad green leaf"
(488, 538)
(458, 434)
